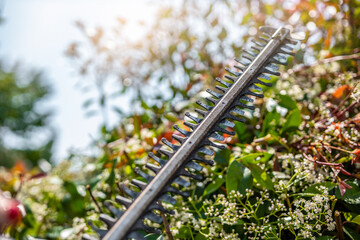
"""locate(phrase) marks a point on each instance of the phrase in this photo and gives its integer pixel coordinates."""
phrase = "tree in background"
(25, 133)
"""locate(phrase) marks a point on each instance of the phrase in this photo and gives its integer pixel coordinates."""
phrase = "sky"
(37, 32)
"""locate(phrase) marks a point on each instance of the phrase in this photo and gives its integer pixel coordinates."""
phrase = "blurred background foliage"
(182, 50)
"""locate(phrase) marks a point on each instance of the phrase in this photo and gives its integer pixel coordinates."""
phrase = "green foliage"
(21, 119)
(290, 167)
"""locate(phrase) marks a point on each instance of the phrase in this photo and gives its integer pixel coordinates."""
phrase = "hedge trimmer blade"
(236, 94)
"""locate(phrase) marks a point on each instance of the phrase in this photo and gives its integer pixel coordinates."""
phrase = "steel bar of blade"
(155, 187)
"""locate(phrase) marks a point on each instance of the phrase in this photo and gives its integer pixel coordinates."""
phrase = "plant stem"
(339, 229)
(93, 198)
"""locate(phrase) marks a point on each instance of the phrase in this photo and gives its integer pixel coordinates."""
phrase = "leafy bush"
(290, 173)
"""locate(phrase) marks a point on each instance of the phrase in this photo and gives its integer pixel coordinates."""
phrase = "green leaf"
(352, 217)
(272, 119)
(171, 117)
(287, 102)
(312, 188)
(215, 185)
(351, 233)
(111, 179)
(261, 176)
(351, 196)
(255, 158)
(238, 178)
(293, 121)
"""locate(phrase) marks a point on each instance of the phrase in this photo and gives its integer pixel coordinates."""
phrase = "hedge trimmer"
(236, 93)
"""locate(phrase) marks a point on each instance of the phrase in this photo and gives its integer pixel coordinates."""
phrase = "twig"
(355, 56)
(339, 226)
(321, 163)
(166, 224)
(93, 198)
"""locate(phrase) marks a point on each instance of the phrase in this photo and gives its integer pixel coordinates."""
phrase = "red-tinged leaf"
(38, 175)
(343, 186)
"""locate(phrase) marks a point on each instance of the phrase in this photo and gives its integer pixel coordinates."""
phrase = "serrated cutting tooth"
(251, 53)
(167, 198)
(263, 83)
(223, 82)
(124, 201)
(101, 232)
(212, 100)
(264, 76)
(152, 167)
(212, 144)
(230, 116)
(264, 39)
(153, 217)
(237, 74)
(175, 191)
(273, 60)
(115, 211)
(265, 70)
(109, 221)
(129, 192)
(234, 79)
(246, 98)
(206, 151)
(220, 129)
(237, 111)
(285, 52)
(147, 177)
(242, 62)
(215, 94)
(162, 162)
(139, 225)
(201, 112)
(255, 48)
(248, 57)
(224, 90)
(272, 66)
(166, 153)
(227, 123)
(194, 166)
(201, 159)
(197, 120)
(138, 183)
(257, 43)
(181, 182)
(169, 144)
(182, 131)
(190, 125)
(240, 68)
(178, 138)
(257, 88)
(240, 104)
(201, 104)
(217, 136)
(248, 92)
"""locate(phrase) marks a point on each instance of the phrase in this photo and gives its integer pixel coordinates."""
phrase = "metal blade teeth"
(225, 125)
(223, 82)
(215, 94)
(169, 144)
(195, 119)
(237, 74)
(162, 162)
(182, 131)
(203, 105)
(109, 221)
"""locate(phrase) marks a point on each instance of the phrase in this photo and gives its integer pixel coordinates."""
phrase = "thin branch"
(93, 198)
(166, 224)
